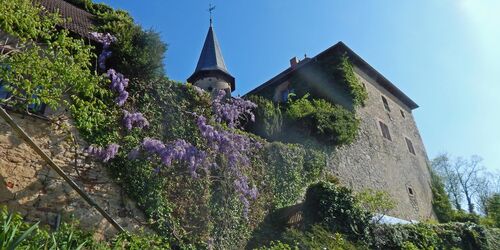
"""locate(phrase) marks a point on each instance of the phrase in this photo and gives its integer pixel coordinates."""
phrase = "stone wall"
(29, 186)
(375, 162)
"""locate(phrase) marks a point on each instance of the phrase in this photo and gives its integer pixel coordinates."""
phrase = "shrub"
(17, 234)
(337, 209)
(328, 123)
(317, 237)
(376, 202)
(440, 200)
(428, 236)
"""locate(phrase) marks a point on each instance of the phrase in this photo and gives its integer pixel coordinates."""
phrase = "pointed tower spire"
(211, 72)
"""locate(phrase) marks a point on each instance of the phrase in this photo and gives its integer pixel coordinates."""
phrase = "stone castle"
(388, 155)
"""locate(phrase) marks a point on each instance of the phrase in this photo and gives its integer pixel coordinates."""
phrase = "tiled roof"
(80, 21)
(211, 60)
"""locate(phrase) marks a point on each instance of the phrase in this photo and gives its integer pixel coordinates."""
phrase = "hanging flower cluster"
(232, 110)
(118, 84)
(234, 148)
(131, 120)
(179, 150)
(106, 40)
(104, 154)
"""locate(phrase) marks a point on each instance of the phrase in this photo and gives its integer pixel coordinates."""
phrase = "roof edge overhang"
(340, 47)
(218, 73)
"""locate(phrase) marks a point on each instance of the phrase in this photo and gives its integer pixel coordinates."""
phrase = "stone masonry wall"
(375, 162)
(29, 186)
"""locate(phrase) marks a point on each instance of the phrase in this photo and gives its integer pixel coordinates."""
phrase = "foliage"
(348, 77)
(375, 201)
(59, 72)
(16, 233)
(329, 123)
(291, 169)
(22, 19)
(440, 201)
(268, 118)
(317, 237)
(337, 209)
(429, 236)
(493, 207)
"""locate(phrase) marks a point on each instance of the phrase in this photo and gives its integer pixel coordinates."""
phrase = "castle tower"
(211, 72)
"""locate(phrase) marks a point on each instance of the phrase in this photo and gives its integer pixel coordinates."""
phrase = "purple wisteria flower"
(232, 110)
(131, 120)
(104, 154)
(234, 148)
(178, 150)
(118, 84)
(106, 40)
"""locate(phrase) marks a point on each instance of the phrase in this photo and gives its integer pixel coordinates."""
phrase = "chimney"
(293, 62)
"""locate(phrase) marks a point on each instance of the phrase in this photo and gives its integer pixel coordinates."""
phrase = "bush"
(268, 118)
(17, 234)
(428, 236)
(440, 201)
(328, 123)
(337, 210)
(317, 237)
(376, 202)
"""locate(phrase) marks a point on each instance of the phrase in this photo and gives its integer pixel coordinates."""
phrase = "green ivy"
(291, 168)
(347, 76)
(59, 73)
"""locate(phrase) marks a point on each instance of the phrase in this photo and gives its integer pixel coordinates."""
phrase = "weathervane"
(210, 9)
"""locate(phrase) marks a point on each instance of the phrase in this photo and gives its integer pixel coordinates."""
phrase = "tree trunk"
(469, 201)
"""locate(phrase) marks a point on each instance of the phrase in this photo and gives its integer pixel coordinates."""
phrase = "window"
(284, 95)
(386, 104)
(4, 93)
(410, 145)
(402, 113)
(385, 131)
(410, 191)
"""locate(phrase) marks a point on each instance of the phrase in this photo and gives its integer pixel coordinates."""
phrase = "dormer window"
(386, 104)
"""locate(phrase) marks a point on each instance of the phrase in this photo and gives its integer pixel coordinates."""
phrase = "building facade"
(388, 153)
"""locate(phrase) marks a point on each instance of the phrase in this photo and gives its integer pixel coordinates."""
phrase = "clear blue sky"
(444, 54)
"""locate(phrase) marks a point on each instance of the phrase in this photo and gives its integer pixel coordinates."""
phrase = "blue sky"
(444, 54)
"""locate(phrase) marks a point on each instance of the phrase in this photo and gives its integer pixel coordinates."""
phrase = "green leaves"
(329, 123)
(12, 233)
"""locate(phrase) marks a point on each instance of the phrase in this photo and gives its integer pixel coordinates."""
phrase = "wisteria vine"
(232, 110)
(105, 40)
(103, 154)
(179, 150)
(131, 120)
(234, 147)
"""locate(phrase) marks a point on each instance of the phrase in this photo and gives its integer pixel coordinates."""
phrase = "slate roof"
(211, 60)
(80, 21)
(339, 48)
